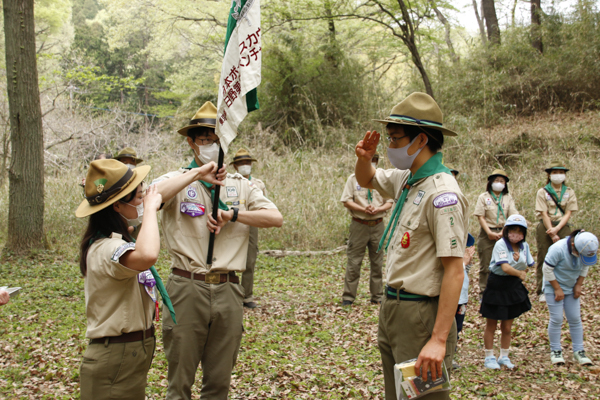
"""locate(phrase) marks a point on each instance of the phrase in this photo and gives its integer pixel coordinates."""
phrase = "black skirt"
(504, 298)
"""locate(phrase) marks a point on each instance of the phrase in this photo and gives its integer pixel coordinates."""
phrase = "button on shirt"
(186, 234)
(433, 224)
(354, 192)
(544, 202)
(567, 267)
(503, 254)
(488, 207)
(115, 302)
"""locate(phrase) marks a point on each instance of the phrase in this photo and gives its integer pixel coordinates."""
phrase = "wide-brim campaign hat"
(586, 244)
(128, 152)
(499, 172)
(108, 181)
(418, 109)
(556, 165)
(243, 155)
(205, 116)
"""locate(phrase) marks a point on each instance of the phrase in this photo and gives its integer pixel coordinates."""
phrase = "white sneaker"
(542, 298)
(582, 358)
(556, 357)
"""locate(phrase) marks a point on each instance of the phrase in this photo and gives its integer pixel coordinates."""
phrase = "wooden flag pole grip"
(215, 211)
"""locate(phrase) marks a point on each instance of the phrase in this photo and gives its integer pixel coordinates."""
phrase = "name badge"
(192, 209)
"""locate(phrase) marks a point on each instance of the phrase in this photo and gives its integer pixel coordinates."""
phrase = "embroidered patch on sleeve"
(122, 249)
(502, 255)
(453, 242)
(445, 200)
(449, 210)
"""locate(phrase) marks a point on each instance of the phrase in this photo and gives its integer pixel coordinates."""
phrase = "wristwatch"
(235, 214)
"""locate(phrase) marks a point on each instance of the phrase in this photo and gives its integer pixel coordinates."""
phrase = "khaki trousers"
(543, 244)
(485, 246)
(208, 331)
(405, 327)
(361, 237)
(248, 274)
(116, 370)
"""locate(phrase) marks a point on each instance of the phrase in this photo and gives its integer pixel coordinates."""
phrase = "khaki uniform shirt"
(359, 195)
(433, 224)
(488, 207)
(260, 184)
(187, 236)
(115, 301)
(544, 202)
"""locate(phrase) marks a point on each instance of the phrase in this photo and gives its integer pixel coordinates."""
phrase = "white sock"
(504, 352)
(489, 353)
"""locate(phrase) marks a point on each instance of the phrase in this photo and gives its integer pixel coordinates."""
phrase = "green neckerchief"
(431, 167)
(499, 200)
(159, 283)
(552, 192)
(222, 205)
(369, 196)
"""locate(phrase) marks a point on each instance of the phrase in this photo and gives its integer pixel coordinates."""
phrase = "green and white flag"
(240, 73)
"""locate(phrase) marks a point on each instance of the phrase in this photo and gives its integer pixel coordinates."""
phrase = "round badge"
(405, 241)
(191, 192)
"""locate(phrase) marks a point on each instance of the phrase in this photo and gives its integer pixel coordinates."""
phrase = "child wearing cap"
(505, 297)
(565, 268)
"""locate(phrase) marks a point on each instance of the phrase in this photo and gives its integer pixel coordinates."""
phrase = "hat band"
(114, 189)
(418, 121)
(125, 155)
(211, 121)
(240, 158)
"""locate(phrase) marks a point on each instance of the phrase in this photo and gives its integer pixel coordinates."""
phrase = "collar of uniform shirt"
(222, 205)
(431, 167)
(552, 192)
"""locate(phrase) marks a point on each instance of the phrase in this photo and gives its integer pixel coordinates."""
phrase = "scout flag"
(240, 73)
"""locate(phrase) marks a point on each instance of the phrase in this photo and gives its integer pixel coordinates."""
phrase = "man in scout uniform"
(367, 208)
(242, 162)
(427, 237)
(129, 157)
(207, 297)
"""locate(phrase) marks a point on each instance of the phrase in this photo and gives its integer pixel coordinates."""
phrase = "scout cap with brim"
(108, 181)
(206, 116)
(516, 220)
(243, 155)
(128, 152)
(586, 245)
(418, 109)
(556, 165)
(499, 172)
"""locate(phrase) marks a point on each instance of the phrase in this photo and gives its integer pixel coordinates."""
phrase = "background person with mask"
(554, 205)
(129, 157)
(367, 209)
(493, 207)
(427, 237)
(242, 162)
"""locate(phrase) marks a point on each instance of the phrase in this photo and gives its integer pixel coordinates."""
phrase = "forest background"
(116, 73)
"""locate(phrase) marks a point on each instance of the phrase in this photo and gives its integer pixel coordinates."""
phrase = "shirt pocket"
(407, 236)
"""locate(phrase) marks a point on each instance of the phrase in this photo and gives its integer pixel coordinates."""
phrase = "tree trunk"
(444, 21)
(491, 21)
(536, 22)
(26, 170)
(480, 23)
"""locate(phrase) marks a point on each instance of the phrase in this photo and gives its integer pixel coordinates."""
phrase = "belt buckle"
(372, 223)
(212, 278)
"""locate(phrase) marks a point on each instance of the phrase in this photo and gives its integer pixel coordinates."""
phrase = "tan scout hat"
(418, 109)
(499, 172)
(243, 155)
(106, 182)
(556, 165)
(205, 116)
(128, 152)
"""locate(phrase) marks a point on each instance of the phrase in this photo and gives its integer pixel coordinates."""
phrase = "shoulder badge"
(122, 249)
(445, 199)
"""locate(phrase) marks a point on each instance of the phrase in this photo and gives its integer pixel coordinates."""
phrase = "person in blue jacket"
(505, 297)
(565, 268)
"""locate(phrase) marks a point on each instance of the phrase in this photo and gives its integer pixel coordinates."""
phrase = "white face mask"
(130, 166)
(207, 153)
(245, 170)
(400, 158)
(140, 214)
(498, 186)
(557, 178)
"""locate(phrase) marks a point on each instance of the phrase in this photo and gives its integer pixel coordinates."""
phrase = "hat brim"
(244, 159)
(589, 260)
(183, 131)
(548, 170)
(504, 176)
(85, 209)
(137, 160)
(445, 131)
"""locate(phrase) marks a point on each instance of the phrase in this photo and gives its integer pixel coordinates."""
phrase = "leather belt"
(208, 278)
(371, 222)
(137, 336)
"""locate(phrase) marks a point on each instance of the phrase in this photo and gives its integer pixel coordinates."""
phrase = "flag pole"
(215, 211)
